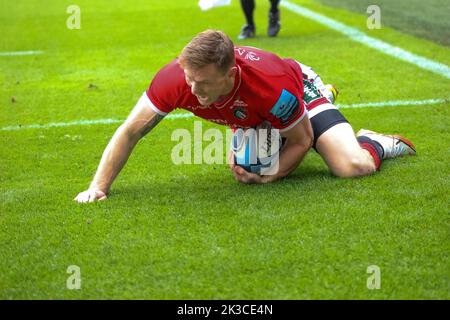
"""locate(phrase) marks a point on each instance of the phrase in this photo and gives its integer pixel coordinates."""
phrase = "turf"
(190, 231)
(432, 22)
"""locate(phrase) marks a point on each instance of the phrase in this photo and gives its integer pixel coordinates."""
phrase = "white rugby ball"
(257, 149)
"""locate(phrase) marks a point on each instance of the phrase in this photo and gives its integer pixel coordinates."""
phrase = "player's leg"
(342, 152)
(350, 156)
(393, 145)
(274, 19)
(334, 139)
(249, 29)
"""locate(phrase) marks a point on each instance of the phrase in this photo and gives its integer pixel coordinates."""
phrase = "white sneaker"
(393, 145)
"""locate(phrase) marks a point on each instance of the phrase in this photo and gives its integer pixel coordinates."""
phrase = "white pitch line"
(61, 124)
(361, 37)
(393, 103)
(190, 115)
(85, 122)
(20, 53)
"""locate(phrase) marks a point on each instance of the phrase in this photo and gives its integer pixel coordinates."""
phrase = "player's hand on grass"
(90, 195)
(240, 174)
(243, 176)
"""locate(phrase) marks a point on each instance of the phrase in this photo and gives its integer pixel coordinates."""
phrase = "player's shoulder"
(170, 74)
(168, 87)
(247, 52)
(266, 72)
(260, 60)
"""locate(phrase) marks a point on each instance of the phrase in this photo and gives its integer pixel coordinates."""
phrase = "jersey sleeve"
(164, 91)
(288, 109)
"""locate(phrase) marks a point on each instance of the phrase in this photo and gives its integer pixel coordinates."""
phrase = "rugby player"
(241, 87)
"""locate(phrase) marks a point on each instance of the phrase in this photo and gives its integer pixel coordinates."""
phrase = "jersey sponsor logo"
(219, 121)
(311, 92)
(240, 51)
(249, 55)
(193, 108)
(238, 103)
(286, 108)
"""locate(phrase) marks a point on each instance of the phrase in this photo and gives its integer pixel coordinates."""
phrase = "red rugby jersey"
(266, 88)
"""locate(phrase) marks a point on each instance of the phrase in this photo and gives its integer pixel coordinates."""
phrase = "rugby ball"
(257, 149)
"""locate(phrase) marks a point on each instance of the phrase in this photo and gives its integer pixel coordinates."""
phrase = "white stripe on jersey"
(145, 100)
(320, 108)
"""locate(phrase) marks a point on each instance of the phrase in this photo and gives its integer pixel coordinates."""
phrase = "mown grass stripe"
(361, 37)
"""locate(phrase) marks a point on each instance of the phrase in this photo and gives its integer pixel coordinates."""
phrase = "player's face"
(208, 84)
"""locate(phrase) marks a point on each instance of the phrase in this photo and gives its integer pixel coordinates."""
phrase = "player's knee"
(354, 167)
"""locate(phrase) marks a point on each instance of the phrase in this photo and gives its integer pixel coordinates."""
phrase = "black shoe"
(274, 24)
(247, 32)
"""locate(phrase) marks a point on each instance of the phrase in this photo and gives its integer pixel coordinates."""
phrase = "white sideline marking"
(190, 115)
(20, 53)
(374, 43)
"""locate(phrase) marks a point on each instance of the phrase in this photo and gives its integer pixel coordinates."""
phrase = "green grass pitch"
(191, 231)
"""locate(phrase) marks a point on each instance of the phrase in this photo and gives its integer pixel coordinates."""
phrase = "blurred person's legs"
(249, 29)
(274, 19)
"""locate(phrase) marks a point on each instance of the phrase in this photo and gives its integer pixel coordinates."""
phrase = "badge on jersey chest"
(241, 113)
(239, 109)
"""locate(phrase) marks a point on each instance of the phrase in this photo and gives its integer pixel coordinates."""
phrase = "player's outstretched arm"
(141, 120)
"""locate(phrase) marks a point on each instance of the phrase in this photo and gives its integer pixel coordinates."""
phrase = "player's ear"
(232, 72)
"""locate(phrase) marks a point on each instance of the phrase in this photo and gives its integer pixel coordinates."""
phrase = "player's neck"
(228, 90)
(229, 87)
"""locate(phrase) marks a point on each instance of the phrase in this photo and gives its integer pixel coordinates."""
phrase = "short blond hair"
(208, 47)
